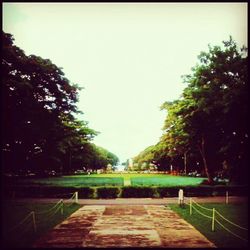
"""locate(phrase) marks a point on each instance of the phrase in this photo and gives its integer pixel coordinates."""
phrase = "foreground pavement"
(104, 226)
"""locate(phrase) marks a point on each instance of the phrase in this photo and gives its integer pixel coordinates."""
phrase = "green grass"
(237, 213)
(23, 235)
(113, 180)
(166, 181)
(73, 181)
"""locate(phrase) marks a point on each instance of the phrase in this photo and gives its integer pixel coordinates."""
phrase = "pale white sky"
(128, 57)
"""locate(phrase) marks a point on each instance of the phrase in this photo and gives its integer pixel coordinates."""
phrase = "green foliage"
(168, 191)
(146, 156)
(138, 192)
(103, 189)
(41, 132)
(107, 192)
(104, 157)
(85, 192)
(208, 123)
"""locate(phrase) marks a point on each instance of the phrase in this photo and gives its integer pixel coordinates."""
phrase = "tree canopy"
(208, 123)
(39, 125)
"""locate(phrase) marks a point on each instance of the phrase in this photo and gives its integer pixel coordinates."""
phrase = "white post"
(213, 219)
(76, 197)
(181, 197)
(226, 197)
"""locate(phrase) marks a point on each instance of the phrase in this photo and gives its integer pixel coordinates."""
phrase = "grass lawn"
(23, 235)
(166, 181)
(237, 213)
(74, 181)
(113, 180)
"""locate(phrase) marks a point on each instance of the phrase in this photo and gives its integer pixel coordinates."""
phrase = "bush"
(107, 192)
(205, 190)
(39, 191)
(168, 191)
(85, 192)
(138, 192)
(48, 192)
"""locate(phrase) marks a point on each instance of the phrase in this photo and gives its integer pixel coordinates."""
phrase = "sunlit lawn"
(237, 213)
(74, 181)
(166, 181)
(113, 180)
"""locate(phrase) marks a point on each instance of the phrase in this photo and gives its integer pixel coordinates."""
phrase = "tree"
(175, 135)
(144, 157)
(39, 128)
(36, 96)
(218, 89)
(209, 121)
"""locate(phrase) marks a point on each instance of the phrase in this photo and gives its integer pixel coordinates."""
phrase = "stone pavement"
(103, 226)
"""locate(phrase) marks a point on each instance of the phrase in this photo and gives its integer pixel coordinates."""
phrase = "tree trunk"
(70, 159)
(203, 155)
(185, 162)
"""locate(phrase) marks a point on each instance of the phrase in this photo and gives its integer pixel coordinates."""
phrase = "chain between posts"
(33, 214)
(214, 211)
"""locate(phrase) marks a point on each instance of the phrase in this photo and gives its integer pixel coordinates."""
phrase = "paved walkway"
(141, 201)
(124, 226)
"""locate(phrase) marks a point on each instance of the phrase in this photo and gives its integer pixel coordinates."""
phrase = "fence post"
(190, 206)
(34, 221)
(181, 198)
(76, 196)
(226, 197)
(213, 220)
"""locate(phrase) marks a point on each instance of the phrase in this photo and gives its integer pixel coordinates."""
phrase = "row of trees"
(206, 128)
(40, 130)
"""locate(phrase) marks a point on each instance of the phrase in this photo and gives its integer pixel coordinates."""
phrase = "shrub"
(168, 191)
(138, 192)
(107, 192)
(85, 192)
(39, 191)
(205, 190)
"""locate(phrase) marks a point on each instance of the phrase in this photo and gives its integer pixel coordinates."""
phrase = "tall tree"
(39, 128)
(218, 87)
(211, 115)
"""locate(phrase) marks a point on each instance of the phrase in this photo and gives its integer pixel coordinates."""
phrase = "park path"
(141, 201)
(104, 226)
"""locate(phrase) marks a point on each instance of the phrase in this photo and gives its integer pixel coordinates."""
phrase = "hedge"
(124, 192)
(107, 192)
(138, 192)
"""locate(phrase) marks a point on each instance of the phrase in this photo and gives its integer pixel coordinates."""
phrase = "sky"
(128, 57)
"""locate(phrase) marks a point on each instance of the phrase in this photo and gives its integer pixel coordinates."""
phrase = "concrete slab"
(100, 226)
